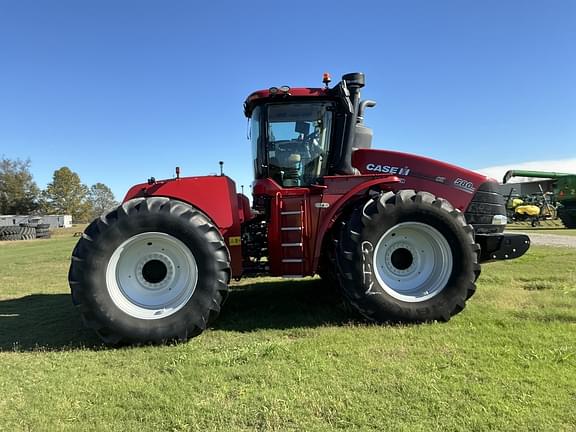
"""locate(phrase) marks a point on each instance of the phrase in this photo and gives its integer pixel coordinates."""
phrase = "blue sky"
(123, 90)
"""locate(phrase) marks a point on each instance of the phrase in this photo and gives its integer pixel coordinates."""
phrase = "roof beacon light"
(273, 90)
(326, 78)
(284, 89)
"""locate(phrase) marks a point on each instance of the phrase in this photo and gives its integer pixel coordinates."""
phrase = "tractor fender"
(338, 207)
(215, 196)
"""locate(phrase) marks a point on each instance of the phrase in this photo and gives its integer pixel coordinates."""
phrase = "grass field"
(285, 356)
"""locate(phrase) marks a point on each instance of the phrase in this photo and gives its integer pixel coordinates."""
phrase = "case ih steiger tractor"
(401, 236)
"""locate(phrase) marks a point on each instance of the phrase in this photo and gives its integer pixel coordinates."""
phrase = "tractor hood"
(453, 183)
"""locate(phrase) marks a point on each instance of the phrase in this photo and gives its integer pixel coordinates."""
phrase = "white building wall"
(55, 221)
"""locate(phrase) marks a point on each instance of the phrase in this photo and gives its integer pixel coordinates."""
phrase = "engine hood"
(451, 182)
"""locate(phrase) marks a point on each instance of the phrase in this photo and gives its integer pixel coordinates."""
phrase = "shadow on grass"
(281, 304)
(50, 321)
(43, 321)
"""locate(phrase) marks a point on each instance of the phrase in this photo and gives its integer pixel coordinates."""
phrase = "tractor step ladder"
(292, 235)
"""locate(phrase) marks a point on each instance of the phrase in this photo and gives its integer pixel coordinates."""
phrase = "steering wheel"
(312, 146)
(309, 140)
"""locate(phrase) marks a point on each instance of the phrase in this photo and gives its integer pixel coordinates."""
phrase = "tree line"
(65, 194)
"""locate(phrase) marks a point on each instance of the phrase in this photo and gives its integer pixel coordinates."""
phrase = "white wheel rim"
(413, 262)
(151, 275)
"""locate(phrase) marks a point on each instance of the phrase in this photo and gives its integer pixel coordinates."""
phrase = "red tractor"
(401, 236)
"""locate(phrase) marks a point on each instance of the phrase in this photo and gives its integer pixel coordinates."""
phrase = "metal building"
(55, 221)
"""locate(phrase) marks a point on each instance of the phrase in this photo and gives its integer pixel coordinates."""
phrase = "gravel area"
(551, 239)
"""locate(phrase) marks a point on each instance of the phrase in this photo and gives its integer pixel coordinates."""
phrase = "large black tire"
(10, 237)
(327, 268)
(408, 277)
(42, 229)
(28, 233)
(11, 233)
(10, 230)
(109, 303)
(567, 216)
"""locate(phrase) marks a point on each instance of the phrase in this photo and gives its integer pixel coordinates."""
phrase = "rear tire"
(151, 271)
(407, 256)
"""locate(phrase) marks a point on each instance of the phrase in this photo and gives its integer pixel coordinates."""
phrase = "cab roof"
(275, 93)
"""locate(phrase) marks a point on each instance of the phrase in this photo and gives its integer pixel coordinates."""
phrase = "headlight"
(499, 220)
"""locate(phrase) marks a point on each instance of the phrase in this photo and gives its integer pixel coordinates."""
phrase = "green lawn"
(284, 355)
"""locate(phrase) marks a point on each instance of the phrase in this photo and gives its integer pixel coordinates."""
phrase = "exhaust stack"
(351, 85)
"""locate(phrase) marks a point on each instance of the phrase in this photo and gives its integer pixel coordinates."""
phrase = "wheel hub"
(401, 258)
(155, 271)
(151, 275)
(412, 261)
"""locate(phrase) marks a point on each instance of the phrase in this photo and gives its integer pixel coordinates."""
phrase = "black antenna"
(221, 167)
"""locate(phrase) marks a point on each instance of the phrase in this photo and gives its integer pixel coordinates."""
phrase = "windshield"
(298, 139)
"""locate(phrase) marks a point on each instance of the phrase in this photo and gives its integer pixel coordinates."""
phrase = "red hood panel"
(450, 182)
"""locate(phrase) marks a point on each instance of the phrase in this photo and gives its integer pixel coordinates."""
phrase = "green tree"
(18, 191)
(101, 199)
(67, 195)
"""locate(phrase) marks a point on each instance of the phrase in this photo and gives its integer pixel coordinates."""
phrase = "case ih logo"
(388, 169)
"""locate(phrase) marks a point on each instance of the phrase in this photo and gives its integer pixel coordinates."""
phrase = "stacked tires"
(43, 231)
(10, 233)
(25, 231)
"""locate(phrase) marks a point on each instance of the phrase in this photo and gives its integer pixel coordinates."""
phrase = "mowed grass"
(284, 355)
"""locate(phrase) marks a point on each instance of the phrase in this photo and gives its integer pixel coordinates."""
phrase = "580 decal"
(465, 185)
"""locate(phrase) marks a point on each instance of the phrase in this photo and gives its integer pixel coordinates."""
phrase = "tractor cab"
(291, 141)
(300, 135)
(302, 143)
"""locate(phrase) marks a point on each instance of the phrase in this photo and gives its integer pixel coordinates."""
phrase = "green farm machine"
(564, 192)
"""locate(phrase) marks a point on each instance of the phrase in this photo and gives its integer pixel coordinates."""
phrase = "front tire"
(407, 256)
(150, 271)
